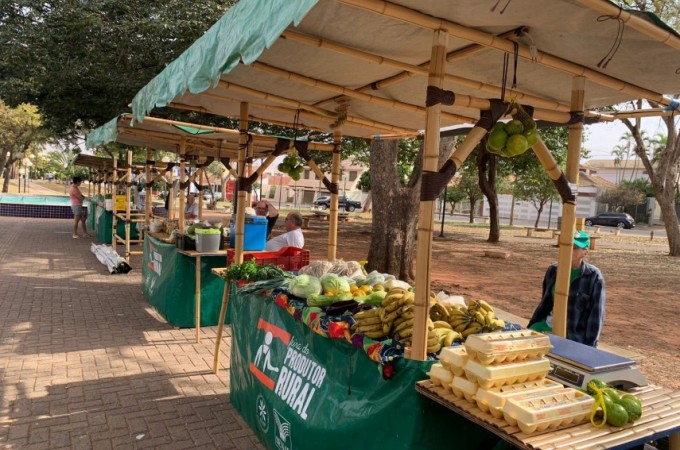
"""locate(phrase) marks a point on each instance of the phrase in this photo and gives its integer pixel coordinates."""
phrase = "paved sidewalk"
(85, 363)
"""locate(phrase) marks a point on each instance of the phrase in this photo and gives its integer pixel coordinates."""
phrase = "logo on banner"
(262, 413)
(295, 379)
(155, 261)
(282, 438)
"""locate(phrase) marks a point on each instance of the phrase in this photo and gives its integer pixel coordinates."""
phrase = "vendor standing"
(191, 208)
(293, 237)
(586, 302)
(265, 209)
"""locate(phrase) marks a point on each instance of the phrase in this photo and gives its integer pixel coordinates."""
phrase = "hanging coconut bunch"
(515, 137)
(292, 165)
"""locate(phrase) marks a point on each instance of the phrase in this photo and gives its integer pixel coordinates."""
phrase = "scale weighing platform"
(574, 364)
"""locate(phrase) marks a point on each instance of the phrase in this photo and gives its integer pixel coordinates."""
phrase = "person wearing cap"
(191, 207)
(265, 209)
(586, 302)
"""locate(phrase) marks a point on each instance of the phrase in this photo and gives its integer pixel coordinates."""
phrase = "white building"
(616, 171)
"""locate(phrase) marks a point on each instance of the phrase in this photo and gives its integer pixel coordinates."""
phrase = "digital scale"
(574, 364)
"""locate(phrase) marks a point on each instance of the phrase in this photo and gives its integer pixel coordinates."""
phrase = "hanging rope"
(493, 9)
(617, 41)
(506, 65)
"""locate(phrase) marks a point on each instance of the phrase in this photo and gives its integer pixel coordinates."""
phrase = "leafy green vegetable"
(333, 284)
(305, 285)
(251, 271)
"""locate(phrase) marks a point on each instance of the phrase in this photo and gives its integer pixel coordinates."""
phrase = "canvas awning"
(369, 58)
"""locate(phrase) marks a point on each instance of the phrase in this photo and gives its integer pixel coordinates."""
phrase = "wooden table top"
(660, 417)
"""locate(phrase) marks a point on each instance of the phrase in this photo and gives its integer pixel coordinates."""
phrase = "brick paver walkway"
(85, 363)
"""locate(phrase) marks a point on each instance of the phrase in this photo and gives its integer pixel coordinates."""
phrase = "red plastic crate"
(288, 258)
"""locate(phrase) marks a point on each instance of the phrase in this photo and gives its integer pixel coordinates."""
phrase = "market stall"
(320, 65)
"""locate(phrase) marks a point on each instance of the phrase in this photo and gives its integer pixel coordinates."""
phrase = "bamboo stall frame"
(284, 101)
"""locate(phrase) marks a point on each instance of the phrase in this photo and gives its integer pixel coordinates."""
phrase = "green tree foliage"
(20, 136)
(82, 61)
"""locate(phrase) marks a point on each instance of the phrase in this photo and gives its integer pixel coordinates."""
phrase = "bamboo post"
(242, 197)
(568, 213)
(198, 298)
(333, 216)
(171, 193)
(148, 208)
(426, 220)
(114, 220)
(220, 325)
(674, 441)
(128, 192)
(182, 179)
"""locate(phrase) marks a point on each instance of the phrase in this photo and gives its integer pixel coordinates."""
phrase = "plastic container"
(507, 346)
(288, 258)
(552, 409)
(454, 359)
(464, 388)
(254, 234)
(441, 376)
(208, 240)
(492, 400)
(502, 374)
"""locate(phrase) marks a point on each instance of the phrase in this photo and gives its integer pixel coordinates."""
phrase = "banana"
(438, 312)
(434, 348)
(484, 305)
(462, 327)
(407, 332)
(451, 337)
(498, 323)
(472, 306)
(474, 328)
(369, 321)
(442, 324)
(458, 320)
(480, 318)
(391, 299)
(368, 313)
(374, 334)
(404, 325)
(387, 327)
(368, 328)
(432, 339)
(391, 317)
(408, 314)
(488, 318)
(393, 306)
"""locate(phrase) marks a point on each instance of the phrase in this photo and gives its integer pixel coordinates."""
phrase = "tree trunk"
(393, 240)
(538, 215)
(368, 204)
(486, 167)
(473, 203)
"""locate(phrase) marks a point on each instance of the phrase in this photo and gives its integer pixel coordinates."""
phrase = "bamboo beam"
(653, 31)
(341, 90)
(426, 217)
(319, 114)
(633, 114)
(416, 18)
(566, 241)
(410, 70)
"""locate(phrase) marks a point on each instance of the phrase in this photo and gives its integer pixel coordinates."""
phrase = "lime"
(617, 415)
(497, 139)
(595, 383)
(532, 137)
(516, 145)
(632, 407)
(490, 149)
(514, 127)
(632, 397)
(613, 394)
(282, 168)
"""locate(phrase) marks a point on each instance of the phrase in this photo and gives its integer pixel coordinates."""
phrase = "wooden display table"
(660, 418)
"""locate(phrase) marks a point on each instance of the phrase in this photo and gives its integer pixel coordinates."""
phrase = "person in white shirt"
(293, 237)
(191, 207)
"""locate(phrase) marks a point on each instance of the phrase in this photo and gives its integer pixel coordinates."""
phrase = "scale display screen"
(568, 376)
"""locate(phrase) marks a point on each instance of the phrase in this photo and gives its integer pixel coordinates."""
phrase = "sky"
(603, 137)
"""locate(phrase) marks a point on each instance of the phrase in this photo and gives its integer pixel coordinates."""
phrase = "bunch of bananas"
(369, 323)
(477, 317)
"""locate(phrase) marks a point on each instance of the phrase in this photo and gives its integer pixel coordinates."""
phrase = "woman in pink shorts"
(79, 214)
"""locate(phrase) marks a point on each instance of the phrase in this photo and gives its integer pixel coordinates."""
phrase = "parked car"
(612, 219)
(324, 202)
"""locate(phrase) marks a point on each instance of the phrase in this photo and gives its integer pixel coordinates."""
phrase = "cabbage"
(304, 285)
(333, 284)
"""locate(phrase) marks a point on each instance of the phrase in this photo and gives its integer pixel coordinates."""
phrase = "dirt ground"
(642, 282)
